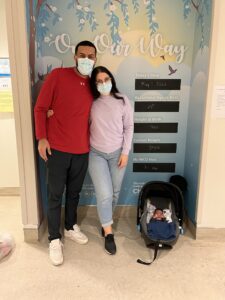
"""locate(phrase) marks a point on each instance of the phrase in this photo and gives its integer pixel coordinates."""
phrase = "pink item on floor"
(6, 244)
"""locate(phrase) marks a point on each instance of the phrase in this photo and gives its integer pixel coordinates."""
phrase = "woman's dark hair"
(95, 92)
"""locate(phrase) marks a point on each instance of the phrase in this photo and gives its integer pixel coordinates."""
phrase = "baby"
(158, 215)
(159, 228)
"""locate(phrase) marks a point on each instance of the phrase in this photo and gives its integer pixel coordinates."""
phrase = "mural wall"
(149, 46)
(199, 80)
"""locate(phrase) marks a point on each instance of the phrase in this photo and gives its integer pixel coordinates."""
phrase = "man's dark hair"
(85, 43)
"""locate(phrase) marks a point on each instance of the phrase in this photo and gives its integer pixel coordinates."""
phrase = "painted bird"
(172, 71)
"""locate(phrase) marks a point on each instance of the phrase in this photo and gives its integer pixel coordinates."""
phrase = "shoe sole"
(109, 252)
(56, 264)
(77, 241)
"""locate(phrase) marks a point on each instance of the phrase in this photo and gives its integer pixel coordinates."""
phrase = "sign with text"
(154, 167)
(157, 84)
(156, 106)
(155, 148)
(155, 127)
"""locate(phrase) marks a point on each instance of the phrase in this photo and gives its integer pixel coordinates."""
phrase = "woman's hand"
(123, 160)
(50, 113)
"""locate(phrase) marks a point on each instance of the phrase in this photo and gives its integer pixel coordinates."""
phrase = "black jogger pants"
(65, 171)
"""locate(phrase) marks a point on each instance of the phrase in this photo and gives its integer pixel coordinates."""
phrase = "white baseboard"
(10, 191)
(33, 234)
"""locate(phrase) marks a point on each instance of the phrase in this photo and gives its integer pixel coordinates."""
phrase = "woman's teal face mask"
(104, 88)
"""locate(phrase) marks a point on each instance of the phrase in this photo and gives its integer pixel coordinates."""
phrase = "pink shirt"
(111, 124)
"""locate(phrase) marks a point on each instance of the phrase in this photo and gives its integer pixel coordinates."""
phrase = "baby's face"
(158, 214)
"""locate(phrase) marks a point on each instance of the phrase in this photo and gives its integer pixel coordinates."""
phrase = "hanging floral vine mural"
(46, 13)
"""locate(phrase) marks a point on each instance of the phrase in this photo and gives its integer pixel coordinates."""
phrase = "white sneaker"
(76, 235)
(55, 252)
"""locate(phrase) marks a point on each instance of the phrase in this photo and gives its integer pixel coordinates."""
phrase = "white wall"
(211, 205)
(9, 175)
(23, 111)
(3, 32)
(211, 200)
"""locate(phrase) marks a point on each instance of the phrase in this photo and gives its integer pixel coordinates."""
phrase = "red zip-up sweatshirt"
(69, 95)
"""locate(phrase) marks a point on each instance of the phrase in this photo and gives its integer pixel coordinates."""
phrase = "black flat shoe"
(110, 246)
(103, 232)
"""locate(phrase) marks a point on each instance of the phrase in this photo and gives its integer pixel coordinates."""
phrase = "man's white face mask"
(85, 65)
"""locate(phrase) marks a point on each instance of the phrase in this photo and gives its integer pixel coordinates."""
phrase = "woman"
(111, 132)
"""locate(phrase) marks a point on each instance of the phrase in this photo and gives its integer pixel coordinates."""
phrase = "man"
(63, 142)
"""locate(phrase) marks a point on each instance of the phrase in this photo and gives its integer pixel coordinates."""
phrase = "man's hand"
(123, 161)
(50, 113)
(44, 148)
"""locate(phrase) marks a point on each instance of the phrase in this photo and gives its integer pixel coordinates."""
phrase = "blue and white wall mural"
(158, 52)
